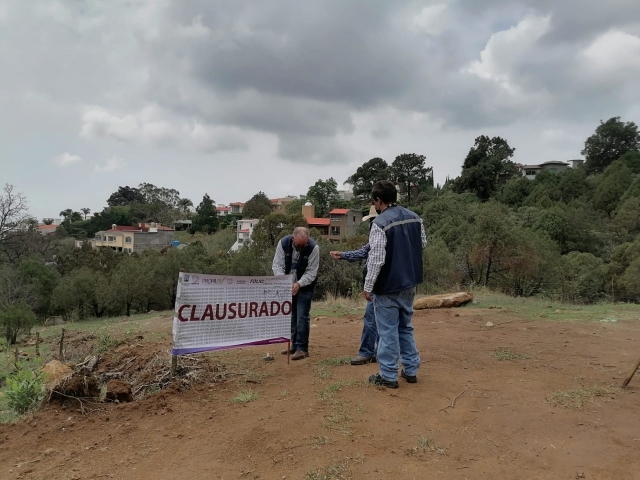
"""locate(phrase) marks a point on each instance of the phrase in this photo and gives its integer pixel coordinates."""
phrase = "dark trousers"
(301, 320)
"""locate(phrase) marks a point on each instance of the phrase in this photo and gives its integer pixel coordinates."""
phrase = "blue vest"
(402, 267)
(303, 260)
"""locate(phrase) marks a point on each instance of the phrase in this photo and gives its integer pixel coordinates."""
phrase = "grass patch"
(333, 472)
(104, 341)
(337, 307)
(322, 372)
(334, 362)
(540, 308)
(245, 396)
(578, 398)
(335, 387)
(508, 355)
(339, 420)
(425, 445)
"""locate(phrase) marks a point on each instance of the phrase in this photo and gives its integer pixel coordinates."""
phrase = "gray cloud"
(220, 83)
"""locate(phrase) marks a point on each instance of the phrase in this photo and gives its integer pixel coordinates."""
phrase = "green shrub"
(25, 390)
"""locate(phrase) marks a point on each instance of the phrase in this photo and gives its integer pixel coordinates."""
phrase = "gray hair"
(301, 232)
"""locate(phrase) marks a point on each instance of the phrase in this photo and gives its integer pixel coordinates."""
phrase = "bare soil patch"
(523, 399)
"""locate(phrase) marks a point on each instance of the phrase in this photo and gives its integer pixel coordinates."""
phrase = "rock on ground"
(443, 301)
(55, 372)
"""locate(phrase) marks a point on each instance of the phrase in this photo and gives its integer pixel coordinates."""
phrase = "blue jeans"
(301, 320)
(393, 313)
(369, 338)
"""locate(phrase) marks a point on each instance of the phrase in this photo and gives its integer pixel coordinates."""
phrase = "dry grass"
(578, 398)
(508, 355)
(245, 396)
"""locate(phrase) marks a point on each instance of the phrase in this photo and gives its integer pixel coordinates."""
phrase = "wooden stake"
(38, 344)
(288, 351)
(174, 365)
(633, 372)
(61, 351)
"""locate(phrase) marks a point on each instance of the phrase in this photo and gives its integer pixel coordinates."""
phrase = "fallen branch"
(28, 429)
(18, 465)
(453, 404)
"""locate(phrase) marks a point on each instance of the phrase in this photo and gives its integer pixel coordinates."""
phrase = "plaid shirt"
(378, 243)
(355, 255)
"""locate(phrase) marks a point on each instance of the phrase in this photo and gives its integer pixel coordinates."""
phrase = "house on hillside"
(138, 238)
(47, 229)
(244, 229)
(342, 222)
(531, 171)
(236, 207)
(320, 224)
(279, 205)
(223, 210)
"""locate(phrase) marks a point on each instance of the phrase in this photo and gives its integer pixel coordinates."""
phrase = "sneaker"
(360, 360)
(408, 378)
(377, 379)
(299, 355)
(291, 351)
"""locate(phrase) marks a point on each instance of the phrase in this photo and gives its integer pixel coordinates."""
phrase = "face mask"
(299, 248)
(378, 211)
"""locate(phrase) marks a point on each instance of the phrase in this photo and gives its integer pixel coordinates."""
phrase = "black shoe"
(360, 360)
(408, 378)
(378, 380)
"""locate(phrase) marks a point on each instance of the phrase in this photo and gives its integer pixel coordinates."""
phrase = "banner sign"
(216, 312)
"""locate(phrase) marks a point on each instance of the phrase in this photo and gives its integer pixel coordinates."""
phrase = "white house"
(244, 230)
(530, 171)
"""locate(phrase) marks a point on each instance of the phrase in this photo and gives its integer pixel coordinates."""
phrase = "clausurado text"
(230, 311)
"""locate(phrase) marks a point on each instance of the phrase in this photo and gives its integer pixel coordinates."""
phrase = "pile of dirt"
(76, 385)
(118, 391)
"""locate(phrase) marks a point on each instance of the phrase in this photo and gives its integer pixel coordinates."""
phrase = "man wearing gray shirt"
(299, 254)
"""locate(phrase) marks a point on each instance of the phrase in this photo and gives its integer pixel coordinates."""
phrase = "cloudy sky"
(230, 98)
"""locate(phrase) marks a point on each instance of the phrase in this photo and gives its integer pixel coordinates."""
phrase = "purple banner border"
(189, 351)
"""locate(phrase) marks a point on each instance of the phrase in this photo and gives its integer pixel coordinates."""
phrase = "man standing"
(369, 338)
(394, 268)
(300, 255)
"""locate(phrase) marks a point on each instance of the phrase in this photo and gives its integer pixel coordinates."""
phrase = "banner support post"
(174, 365)
(288, 351)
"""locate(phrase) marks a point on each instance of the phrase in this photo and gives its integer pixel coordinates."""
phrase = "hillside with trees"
(572, 236)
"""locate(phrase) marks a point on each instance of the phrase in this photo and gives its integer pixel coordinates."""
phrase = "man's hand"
(367, 295)
(295, 288)
(335, 255)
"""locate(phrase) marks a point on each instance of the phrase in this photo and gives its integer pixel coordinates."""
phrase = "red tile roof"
(237, 204)
(47, 227)
(243, 231)
(223, 209)
(339, 211)
(318, 222)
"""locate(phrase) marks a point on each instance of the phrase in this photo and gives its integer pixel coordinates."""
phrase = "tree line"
(572, 235)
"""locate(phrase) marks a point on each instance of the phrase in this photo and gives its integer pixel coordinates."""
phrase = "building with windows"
(138, 238)
(531, 171)
(244, 229)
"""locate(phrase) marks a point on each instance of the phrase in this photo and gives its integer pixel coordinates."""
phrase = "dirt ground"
(470, 416)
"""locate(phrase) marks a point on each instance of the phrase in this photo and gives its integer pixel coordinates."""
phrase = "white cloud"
(613, 51)
(506, 48)
(112, 164)
(66, 159)
(432, 19)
